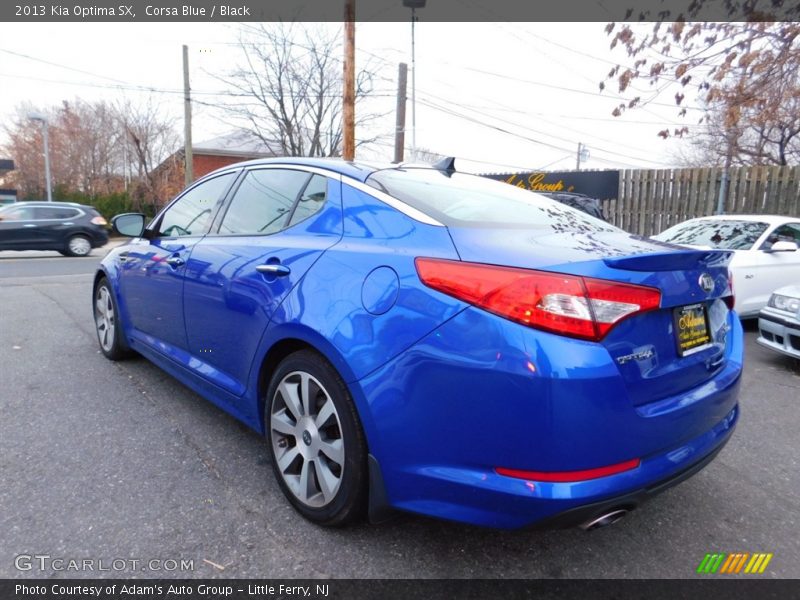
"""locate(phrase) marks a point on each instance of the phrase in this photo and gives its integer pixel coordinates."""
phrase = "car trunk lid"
(659, 353)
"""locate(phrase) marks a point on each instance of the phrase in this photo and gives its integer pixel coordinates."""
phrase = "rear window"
(722, 234)
(462, 200)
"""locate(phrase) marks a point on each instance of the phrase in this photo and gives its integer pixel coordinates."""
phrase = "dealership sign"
(603, 185)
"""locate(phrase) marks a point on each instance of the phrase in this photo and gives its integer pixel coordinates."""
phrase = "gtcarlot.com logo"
(734, 563)
(45, 562)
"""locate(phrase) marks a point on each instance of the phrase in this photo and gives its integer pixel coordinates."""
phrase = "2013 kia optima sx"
(431, 341)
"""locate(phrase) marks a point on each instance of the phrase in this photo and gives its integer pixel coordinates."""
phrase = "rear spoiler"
(673, 260)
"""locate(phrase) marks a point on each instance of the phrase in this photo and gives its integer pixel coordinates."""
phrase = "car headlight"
(786, 303)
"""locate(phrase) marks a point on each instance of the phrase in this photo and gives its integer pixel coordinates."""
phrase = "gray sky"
(536, 81)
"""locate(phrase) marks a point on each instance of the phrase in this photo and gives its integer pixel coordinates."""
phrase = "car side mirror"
(783, 246)
(129, 224)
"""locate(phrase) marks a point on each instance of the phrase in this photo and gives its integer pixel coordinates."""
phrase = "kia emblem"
(706, 283)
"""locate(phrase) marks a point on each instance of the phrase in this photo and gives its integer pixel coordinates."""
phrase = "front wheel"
(107, 325)
(316, 443)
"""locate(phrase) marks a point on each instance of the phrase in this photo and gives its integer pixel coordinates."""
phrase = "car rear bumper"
(99, 238)
(444, 415)
(779, 333)
(586, 513)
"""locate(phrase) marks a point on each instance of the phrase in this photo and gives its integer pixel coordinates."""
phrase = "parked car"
(591, 206)
(764, 249)
(430, 341)
(779, 321)
(71, 229)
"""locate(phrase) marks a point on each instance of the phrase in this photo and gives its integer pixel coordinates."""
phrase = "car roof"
(359, 170)
(770, 219)
(44, 203)
(789, 290)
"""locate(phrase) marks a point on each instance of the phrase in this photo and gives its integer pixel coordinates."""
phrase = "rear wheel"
(78, 245)
(315, 439)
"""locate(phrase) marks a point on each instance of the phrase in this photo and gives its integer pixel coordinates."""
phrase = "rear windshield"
(720, 234)
(462, 200)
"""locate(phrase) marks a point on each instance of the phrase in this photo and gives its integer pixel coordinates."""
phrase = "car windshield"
(715, 233)
(463, 200)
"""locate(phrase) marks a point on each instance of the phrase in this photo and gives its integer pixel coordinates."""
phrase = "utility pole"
(414, 5)
(35, 116)
(583, 155)
(723, 184)
(400, 123)
(349, 96)
(47, 162)
(187, 121)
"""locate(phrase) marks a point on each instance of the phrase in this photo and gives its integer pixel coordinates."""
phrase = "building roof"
(237, 143)
(6, 165)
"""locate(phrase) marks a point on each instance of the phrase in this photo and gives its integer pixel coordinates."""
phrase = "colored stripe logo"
(734, 563)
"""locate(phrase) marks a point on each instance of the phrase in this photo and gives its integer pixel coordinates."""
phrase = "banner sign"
(603, 185)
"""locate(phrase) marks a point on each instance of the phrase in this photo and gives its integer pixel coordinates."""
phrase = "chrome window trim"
(288, 166)
(399, 205)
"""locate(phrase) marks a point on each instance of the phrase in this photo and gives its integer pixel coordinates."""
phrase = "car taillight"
(730, 298)
(98, 220)
(569, 305)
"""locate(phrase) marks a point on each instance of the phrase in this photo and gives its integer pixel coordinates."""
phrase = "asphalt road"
(108, 461)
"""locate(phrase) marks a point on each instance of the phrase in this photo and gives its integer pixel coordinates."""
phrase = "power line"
(537, 141)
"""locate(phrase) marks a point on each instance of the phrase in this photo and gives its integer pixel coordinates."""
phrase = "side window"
(785, 233)
(263, 201)
(20, 213)
(190, 214)
(54, 212)
(311, 200)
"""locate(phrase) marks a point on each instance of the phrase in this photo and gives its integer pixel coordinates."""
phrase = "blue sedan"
(430, 341)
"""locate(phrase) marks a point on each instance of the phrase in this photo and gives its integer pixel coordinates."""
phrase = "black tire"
(63, 253)
(107, 323)
(78, 245)
(348, 503)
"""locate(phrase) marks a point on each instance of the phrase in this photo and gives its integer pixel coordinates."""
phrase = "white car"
(765, 249)
(779, 321)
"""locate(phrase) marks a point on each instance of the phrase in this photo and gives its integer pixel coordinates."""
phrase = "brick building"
(208, 156)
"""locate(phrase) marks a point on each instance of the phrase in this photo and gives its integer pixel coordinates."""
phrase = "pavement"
(105, 461)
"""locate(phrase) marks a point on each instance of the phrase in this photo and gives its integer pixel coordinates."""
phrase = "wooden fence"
(651, 201)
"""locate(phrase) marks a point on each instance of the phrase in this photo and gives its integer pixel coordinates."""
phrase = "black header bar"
(65, 11)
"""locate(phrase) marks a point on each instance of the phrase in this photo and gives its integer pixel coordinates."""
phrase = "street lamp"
(413, 5)
(35, 116)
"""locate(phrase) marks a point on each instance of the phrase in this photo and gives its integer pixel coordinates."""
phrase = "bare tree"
(93, 145)
(288, 89)
(772, 139)
(424, 155)
(746, 74)
(149, 139)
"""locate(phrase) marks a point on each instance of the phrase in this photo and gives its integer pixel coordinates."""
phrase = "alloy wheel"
(79, 246)
(306, 436)
(104, 318)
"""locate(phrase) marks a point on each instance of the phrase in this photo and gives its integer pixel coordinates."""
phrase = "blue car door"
(276, 225)
(153, 269)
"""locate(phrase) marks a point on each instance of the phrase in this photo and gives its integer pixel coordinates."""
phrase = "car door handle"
(175, 261)
(276, 269)
(29, 225)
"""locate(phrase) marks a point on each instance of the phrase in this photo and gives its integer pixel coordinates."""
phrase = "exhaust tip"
(604, 520)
